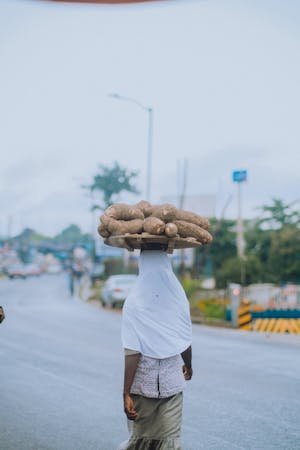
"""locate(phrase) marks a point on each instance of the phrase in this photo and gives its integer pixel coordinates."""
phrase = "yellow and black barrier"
(244, 316)
(277, 326)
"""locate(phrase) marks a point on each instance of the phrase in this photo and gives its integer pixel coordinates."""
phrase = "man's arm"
(131, 363)
(2, 315)
(187, 359)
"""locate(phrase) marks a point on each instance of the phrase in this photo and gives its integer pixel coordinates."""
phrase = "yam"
(166, 212)
(119, 227)
(153, 225)
(103, 231)
(120, 211)
(171, 229)
(188, 216)
(145, 207)
(104, 219)
(187, 229)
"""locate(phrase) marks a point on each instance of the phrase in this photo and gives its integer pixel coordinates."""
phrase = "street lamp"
(149, 111)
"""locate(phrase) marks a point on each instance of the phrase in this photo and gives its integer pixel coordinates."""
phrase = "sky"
(222, 77)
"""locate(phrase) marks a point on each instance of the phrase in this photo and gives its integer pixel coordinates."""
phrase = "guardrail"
(267, 321)
(277, 314)
(277, 326)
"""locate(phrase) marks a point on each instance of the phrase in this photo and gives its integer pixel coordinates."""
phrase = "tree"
(279, 214)
(230, 271)
(211, 257)
(258, 243)
(278, 246)
(272, 252)
(72, 235)
(111, 181)
(284, 259)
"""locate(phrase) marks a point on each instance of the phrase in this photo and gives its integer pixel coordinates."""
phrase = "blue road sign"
(238, 176)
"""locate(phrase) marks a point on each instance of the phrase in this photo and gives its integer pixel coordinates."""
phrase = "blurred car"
(54, 269)
(32, 270)
(116, 289)
(16, 271)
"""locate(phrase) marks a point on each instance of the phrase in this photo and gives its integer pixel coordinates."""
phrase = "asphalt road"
(61, 379)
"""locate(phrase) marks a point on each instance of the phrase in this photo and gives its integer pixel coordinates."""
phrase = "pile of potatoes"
(166, 220)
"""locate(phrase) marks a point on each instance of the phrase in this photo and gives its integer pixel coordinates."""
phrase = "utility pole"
(182, 180)
(240, 241)
(149, 153)
(150, 113)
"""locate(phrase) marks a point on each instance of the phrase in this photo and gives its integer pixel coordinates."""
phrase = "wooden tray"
(134, 241)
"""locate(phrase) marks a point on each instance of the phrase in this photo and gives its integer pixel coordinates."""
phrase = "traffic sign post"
(235, 297)
(239, 177)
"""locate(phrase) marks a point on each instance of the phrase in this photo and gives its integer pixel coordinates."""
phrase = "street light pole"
(149, 154)
(240, 226)
(150, 113)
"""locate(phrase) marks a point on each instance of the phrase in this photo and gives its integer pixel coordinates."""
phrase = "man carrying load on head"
(157, 337)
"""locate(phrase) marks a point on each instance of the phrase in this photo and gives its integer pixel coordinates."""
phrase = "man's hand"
(187, 359)
(2, 315)
(129, 407)
(187, 372)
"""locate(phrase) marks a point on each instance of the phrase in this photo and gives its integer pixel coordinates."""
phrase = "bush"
(190, 286)
(210, 308)
(113, 266)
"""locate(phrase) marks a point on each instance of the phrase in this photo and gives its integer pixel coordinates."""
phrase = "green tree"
(284, 255)
(72, 235)
(275, 240)
(224, 242)
(272, 250)
(222, 247)
(258, 243)
(278, 214)
(230, 271)
(110, 181)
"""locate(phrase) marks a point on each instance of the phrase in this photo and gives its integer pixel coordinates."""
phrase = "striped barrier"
(277, 326)
(244, 316)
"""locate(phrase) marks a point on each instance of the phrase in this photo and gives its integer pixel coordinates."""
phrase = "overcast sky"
(222, 76)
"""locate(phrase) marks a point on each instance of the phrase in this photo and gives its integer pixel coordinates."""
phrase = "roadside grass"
(208, 307)
(95, 291)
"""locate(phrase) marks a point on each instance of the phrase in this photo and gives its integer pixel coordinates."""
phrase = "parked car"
(16, 271)
(32, 270)
(54, 269)
(116, 288)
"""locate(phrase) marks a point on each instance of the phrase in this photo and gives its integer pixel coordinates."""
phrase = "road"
(61, 377)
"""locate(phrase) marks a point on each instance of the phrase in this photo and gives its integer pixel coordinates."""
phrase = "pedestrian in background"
(157, 337)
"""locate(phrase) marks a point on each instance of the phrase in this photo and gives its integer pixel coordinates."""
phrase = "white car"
(16, 271)
(54, 269)
(116, 289)
(32, 270)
